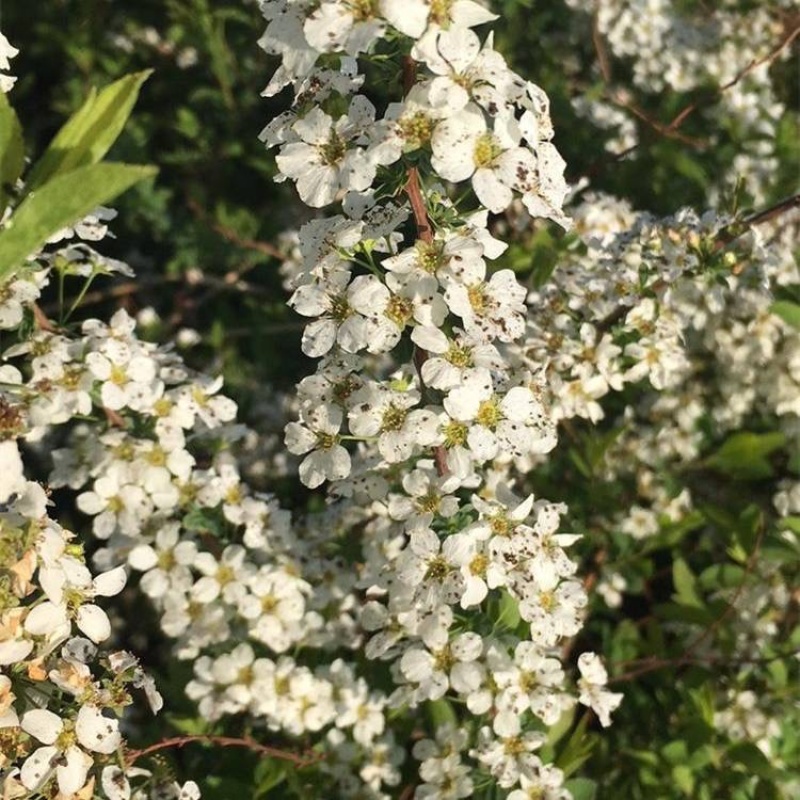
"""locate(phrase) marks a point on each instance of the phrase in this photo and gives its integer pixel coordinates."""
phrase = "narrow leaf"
(789, 312)
(91, 131)
(61, 202)
(12, 150)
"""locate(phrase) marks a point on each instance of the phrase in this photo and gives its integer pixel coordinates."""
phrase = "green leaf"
(90, 132)
(752, 759)
(789, 312)
(582, 788)
(721, 576)
(12, 150)
(577, 750)
(685, 585)
(744, 455)
(268, 774)
(190, 726)
(201, 520)
(790, 523)
(675, 752)
(441, 713)
(508, 612)
(62, 201)
(684, 779)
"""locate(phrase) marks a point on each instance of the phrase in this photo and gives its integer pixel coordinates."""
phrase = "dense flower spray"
(419, 629)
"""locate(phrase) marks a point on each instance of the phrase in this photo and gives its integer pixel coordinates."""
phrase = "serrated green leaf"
(685, 585)
(90, 132)
(62, 201)
(744, 455)
(789, 312)
(12, 150)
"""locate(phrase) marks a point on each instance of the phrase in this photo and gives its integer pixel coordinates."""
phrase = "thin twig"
(221, 741)
(424, 234)
(687, 657)
(725, 237)
(737, 229)
(231, 235)
(677, 121)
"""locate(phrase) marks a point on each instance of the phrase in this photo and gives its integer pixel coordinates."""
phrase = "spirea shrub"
(547, 542)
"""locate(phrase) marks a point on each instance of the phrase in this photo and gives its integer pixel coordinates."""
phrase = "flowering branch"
(132, 756)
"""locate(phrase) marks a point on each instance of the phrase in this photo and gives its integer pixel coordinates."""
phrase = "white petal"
(96, 732)
(93, 621)
(72, 774)
(42, 724)
(38, 767)
(44, 619)
(110, 583)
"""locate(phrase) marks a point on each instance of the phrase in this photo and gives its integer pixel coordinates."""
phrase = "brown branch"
(680, 118)
(222, 741)
(737, 229)
(653, 664)
(424, 234)
(231, 235)
(41, 320)
(619, 99)
(600, 50)
(687, 657)
(725, 237)
(670, 129)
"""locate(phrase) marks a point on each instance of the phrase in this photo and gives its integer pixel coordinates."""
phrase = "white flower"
(319, 436)
(429, 567)
(129, 382)
(91, 730)
(330, 299)
(344, 25)
(464, 148)
(16, 294)
(166, 563)
(327, 160)
(69, 588)
(11, 469)
(7, 52)
(386, 413)
(452, 665)
(274, 608)
(593, 678)
(514, 423)
(493, 309)
(116, 503)
(412, 17)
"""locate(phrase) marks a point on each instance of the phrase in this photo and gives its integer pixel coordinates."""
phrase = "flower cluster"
(434, 598)
(60, 694)
(426, 442)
